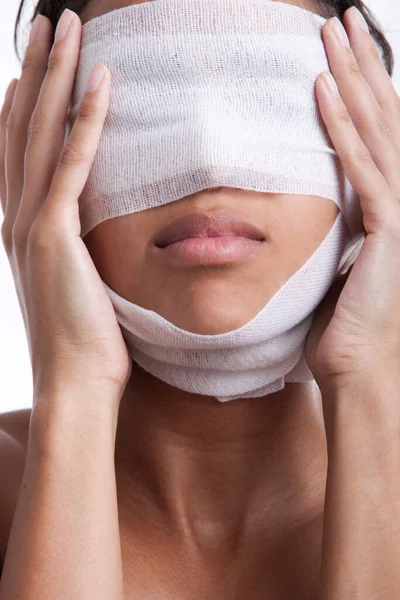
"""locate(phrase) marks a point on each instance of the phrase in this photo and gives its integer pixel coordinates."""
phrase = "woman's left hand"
(356, 329)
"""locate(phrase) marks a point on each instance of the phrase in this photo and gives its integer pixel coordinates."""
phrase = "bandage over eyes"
(208, 93)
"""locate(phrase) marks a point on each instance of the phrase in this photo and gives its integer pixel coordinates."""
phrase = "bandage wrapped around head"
(208, 93)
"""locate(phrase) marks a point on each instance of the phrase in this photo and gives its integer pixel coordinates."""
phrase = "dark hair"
(327, 8)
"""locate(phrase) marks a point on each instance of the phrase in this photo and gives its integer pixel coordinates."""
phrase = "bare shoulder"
(14, 430)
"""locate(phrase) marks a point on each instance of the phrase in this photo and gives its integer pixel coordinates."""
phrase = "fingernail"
(63, 24)
(36, 28)
(96, 77)
(358, 18)
(340, 32)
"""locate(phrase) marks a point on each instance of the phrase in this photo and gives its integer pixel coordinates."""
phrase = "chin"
(212, 314)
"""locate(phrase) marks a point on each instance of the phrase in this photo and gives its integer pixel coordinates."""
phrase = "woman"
(132, 488)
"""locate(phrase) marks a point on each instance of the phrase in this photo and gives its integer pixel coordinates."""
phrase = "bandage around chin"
(208, 93)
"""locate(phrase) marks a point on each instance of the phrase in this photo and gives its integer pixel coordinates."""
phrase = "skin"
(187, 547)
(234, 491)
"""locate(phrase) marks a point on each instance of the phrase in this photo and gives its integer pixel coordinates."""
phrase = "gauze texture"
(208, 93)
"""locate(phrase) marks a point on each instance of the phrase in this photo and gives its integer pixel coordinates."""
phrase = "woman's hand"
(73, 334)
(353, 347)
(356, 330)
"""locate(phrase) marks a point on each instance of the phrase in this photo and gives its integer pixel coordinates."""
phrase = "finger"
(78, 152)
(33, 70)
(376, 199)
(5, 111)
(47, 125)
(368, 58)
(362, 106)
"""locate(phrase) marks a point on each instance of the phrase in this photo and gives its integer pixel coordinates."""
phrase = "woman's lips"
(203, 225)
(210, 250)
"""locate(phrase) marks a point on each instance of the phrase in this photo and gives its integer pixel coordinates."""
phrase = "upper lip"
(197, 224)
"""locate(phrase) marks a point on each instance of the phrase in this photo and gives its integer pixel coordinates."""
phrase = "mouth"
(199, 238)
(202, 225)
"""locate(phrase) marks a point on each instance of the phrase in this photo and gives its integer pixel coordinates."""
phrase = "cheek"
(300, 226)
(117, 248)
(307, 218)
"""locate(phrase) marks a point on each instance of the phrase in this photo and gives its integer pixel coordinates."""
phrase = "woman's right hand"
(73, 334)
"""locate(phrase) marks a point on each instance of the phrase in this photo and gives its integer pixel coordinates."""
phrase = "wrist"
(370, 401)
(79, 391)
(65, 413)
(377, 380)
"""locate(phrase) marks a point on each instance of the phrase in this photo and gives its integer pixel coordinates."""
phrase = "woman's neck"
(220, 471)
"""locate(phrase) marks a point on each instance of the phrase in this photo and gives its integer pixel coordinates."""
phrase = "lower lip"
(212, 250)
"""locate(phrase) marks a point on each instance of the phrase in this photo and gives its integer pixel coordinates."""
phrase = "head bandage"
(208, 93)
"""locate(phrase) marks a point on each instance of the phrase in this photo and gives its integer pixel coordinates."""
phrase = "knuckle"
(363, 157)
(353, 157)
(353, 68)
(344, 117)
(55, 60)
(87, 108)
(384, 127)
(371, 50)
(364, 123)
(71, 154)
(29, 61)
(37, 123)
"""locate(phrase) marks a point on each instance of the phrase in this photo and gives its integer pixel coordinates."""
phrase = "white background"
(15, 367)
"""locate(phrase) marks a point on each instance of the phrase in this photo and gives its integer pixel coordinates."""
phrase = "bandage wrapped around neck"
(208, 93)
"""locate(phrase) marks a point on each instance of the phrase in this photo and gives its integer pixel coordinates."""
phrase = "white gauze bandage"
(208, 93)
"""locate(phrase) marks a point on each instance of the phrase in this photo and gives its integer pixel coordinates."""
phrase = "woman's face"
(214, 298)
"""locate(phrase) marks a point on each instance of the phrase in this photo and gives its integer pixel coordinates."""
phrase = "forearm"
(361, 531)
(64, 541)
